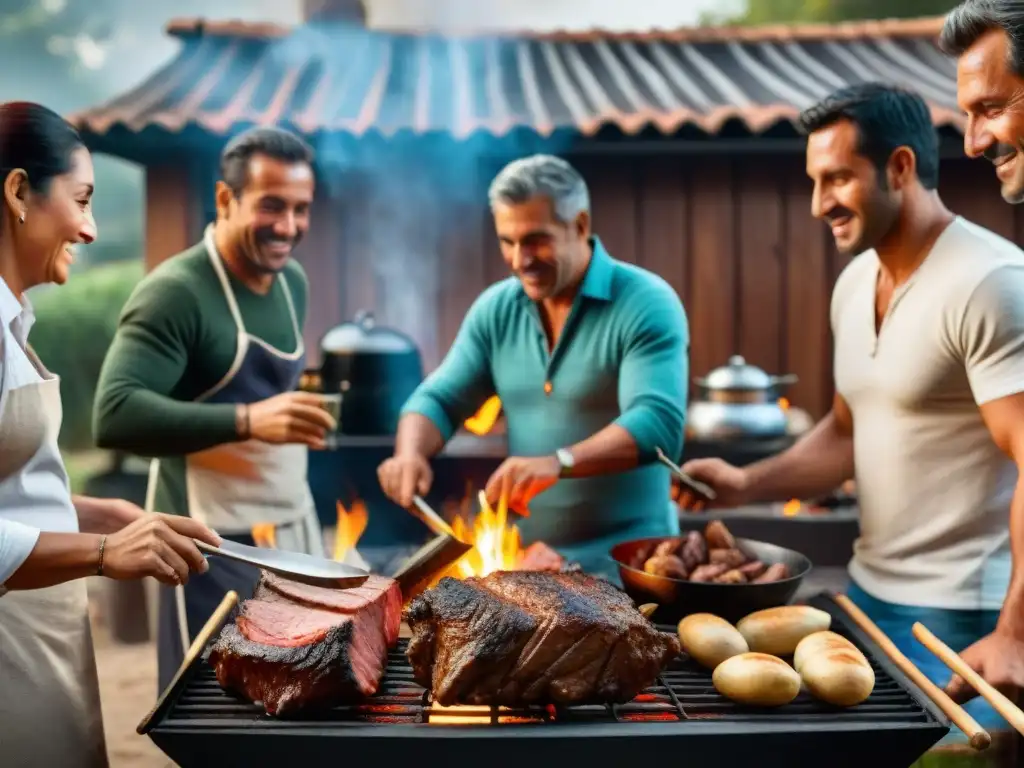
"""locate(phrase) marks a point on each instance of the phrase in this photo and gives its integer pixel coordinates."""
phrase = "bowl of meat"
(708, 572)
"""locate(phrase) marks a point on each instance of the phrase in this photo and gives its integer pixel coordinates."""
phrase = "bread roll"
(818, 642)
(778, 630)
(838, 676)
(710, 640)
(757, 679)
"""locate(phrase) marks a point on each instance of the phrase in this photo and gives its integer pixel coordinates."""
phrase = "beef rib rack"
(294, 647)
(516, 638)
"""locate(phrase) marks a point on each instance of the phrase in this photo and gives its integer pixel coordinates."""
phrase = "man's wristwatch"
(565, 461)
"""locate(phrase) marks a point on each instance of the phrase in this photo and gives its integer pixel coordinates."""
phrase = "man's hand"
(999, 658)
(157, 545)
(404, 476)
(522, 479)
(728, 482)
(293, 417)
(105, 515)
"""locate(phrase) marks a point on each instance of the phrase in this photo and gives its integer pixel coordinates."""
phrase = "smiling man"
(987, 38)
(202, 373)
(928, 325)
(589, 357)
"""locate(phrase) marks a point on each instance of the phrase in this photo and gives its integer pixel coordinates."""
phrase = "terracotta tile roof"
(232, 73)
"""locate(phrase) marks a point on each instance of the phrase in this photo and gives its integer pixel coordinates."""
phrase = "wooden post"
(173, 215)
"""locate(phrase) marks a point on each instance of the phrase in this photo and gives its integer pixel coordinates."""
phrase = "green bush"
(75, 324)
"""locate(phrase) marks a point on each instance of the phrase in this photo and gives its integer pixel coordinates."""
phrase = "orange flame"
(264, 535)
(497, 546)
(351, 524)
(461, 714)
(792, 507)
(784, 403)
(483, 420)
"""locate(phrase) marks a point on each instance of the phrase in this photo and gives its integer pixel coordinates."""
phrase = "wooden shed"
(685, 138)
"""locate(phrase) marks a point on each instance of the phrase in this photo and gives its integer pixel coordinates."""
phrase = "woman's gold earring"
(21, 219)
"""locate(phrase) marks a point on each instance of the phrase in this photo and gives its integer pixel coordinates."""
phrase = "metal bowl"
(677, 598)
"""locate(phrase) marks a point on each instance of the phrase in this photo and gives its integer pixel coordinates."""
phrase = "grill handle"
(1000, 703)
(205, 634)
(979, 737)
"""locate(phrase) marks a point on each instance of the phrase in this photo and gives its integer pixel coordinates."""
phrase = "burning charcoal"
(668, 547)
(734, 558)
(735, 576)
(775, 572)
(709, 572)
(753, 570)
(694, 551)
(718, 536)
(666, 565)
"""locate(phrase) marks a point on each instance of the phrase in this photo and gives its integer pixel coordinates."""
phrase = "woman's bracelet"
(103, 546)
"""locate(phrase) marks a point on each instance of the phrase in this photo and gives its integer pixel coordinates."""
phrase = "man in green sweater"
(202, 372)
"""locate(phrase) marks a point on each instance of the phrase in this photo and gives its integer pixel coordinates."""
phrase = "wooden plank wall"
(734, 236)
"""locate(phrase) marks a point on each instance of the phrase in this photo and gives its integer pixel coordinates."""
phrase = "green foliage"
(75, 324)
(805, 11)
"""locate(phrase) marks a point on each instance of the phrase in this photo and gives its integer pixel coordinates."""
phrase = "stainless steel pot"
(738, 400)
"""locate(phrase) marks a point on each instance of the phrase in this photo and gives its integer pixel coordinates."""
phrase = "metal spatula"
(318, 571)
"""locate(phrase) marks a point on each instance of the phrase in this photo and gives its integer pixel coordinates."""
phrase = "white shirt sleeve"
(992, 335)
(17, 541)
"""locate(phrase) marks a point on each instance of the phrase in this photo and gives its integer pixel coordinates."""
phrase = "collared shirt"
(20, 525)
(621, 358)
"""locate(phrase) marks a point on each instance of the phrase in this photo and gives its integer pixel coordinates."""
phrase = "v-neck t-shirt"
(621, 358)
(933, 488)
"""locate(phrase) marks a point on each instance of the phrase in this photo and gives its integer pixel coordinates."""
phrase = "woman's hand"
(105, 515)
(160, 546)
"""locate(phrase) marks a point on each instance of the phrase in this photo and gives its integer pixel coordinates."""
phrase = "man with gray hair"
(589, 358)
(987, 39)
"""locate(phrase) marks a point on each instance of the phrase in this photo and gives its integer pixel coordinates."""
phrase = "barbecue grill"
(681, 716)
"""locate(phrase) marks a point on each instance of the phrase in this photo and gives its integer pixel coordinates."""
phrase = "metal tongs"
(706, 492)
(318, 571)
(434, 557)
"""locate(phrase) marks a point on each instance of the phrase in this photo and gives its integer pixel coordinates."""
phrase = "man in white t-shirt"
(928, 416)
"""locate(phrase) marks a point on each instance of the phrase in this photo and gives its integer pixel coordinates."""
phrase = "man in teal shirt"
(589, 358)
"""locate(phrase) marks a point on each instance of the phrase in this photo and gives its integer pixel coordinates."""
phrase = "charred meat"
(294, 646)
(520, 638)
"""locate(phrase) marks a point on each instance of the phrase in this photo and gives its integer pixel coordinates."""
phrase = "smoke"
(406, 192)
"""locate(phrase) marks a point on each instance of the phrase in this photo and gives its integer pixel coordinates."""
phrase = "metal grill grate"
(683, 691)
(683, 701)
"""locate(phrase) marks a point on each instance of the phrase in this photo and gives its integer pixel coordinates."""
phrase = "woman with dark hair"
(49, 539)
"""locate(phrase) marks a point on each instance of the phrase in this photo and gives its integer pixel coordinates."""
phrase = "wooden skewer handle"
(978, 736)
(1010, 711)
(205, 634)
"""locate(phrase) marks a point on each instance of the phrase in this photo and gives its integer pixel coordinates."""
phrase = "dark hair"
(966, 23)
(276, 143)
(887, 117)
(37, 140)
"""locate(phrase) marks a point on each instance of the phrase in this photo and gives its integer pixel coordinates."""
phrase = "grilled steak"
(294, 646)
(515, 638)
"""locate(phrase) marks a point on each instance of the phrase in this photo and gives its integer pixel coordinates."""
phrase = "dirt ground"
(128, 689)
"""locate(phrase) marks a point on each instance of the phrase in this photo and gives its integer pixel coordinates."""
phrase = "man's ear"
(223, 197)
(583, 224)
(902, 168)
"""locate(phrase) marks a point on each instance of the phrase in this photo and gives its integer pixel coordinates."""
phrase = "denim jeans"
(957, 629)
